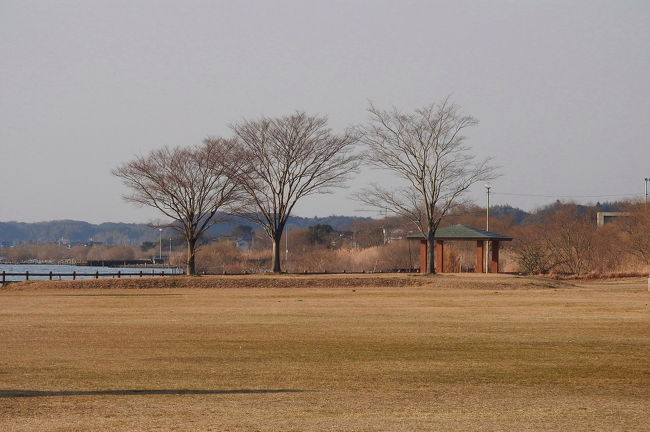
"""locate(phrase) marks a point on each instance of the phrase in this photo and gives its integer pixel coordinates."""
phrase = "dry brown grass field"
(373, 353)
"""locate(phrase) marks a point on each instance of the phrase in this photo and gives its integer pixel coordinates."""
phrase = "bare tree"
(286, 159)
(188, 185)
(531, 251)
(637, 233)
(427, 151)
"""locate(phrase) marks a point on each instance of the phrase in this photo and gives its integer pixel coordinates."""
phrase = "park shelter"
(463, 233)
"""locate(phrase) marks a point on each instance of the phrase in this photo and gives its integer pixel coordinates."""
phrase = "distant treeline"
(561, 238)
(71, 232)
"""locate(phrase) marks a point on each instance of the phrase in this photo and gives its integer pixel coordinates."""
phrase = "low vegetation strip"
(299, 281)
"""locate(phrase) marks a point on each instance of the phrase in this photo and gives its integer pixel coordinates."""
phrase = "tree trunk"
(431, 253)
(276, 253)
(190, 267)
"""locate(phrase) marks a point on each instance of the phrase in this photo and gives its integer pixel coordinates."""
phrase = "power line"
(567, 196)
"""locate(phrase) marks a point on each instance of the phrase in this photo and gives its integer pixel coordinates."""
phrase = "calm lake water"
(56, 268)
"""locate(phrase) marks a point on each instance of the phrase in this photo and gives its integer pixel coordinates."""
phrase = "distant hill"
(74, 232)
(500, 211)
(114, 233)
(547, 211)
(79, 232)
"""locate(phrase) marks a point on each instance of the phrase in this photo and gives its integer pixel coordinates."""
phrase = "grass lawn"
(449, 353)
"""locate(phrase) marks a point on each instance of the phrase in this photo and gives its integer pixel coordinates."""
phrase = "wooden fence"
(74, 275)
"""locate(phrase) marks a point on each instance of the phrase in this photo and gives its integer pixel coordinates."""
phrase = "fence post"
(119, 274)
(3, 277)
(26, 275)
(74, 275)
(96, 274)
(140, 273)
(50, 275)
(163, 273)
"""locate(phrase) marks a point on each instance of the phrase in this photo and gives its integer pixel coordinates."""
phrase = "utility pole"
(160, 230)
(487, 209)
(645, 206)
(487, 228)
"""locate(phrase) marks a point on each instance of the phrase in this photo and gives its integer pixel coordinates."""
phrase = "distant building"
(603, 218)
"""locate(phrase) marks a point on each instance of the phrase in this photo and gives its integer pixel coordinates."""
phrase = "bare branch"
(188, 185)
(426, 149)
(288, 158)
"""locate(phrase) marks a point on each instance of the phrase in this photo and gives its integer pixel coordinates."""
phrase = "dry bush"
(571, 237)
(179, 259)
(51, 252)
(530, 250)
(358, 260)
(314, 259)
(257, 261)
(19, 254)
(60, 254)
(609, 250)
(47, 252)
(398, 255)
(460, 256)
(566, 240)
(224, 257)
(110, 253)
(220, 257)
(390, 257)
(635, 237)
(79, 253)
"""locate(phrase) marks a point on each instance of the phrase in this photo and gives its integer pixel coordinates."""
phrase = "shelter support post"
(440, 256)
(480, 250)
(494, 264)
(423, 256)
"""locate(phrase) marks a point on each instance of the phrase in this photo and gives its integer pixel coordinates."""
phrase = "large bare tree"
(426, 150)
(288, 158)
(189, 185)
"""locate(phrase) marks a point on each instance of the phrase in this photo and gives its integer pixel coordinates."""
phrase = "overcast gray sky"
(561, 89)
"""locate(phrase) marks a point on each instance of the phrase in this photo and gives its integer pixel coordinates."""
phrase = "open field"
(331, 353)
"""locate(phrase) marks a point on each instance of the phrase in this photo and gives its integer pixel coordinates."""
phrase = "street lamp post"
(646, 193)
(160, 230)
(487, 228)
